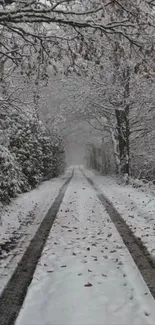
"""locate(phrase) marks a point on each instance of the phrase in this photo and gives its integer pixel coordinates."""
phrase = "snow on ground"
(136, 207)
(20, 220)
(85, 274)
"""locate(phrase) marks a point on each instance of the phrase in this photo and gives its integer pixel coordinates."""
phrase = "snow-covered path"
(85, 274)
(19, 222)
(136, 206)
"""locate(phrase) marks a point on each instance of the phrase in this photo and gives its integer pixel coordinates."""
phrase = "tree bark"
(122, 112)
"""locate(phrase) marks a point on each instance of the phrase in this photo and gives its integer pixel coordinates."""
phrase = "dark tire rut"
(138, 251)
(14, 293)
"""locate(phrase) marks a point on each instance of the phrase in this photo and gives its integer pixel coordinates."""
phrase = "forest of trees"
(102, 52)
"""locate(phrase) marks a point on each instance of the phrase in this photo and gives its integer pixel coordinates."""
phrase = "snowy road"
(19, 222)
(86, 274)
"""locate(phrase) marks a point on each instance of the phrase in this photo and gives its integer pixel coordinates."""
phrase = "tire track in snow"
(138, 251)
(13, 295)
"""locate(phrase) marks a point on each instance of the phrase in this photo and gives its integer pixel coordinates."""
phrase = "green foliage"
(12, 180)
(28, 150)
(30, 155)
(58, 155)
(47, 154)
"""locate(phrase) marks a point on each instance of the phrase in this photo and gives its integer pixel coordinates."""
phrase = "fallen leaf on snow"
(105, 256)
(88, 284)
(119, 247)
(146, 313)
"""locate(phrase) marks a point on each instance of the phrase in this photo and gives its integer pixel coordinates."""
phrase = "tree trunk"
(122, 111)
(123, 139)
(115, 142)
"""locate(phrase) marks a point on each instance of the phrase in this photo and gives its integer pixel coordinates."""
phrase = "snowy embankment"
(136, 206)
(20, 220)
(86, 275)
